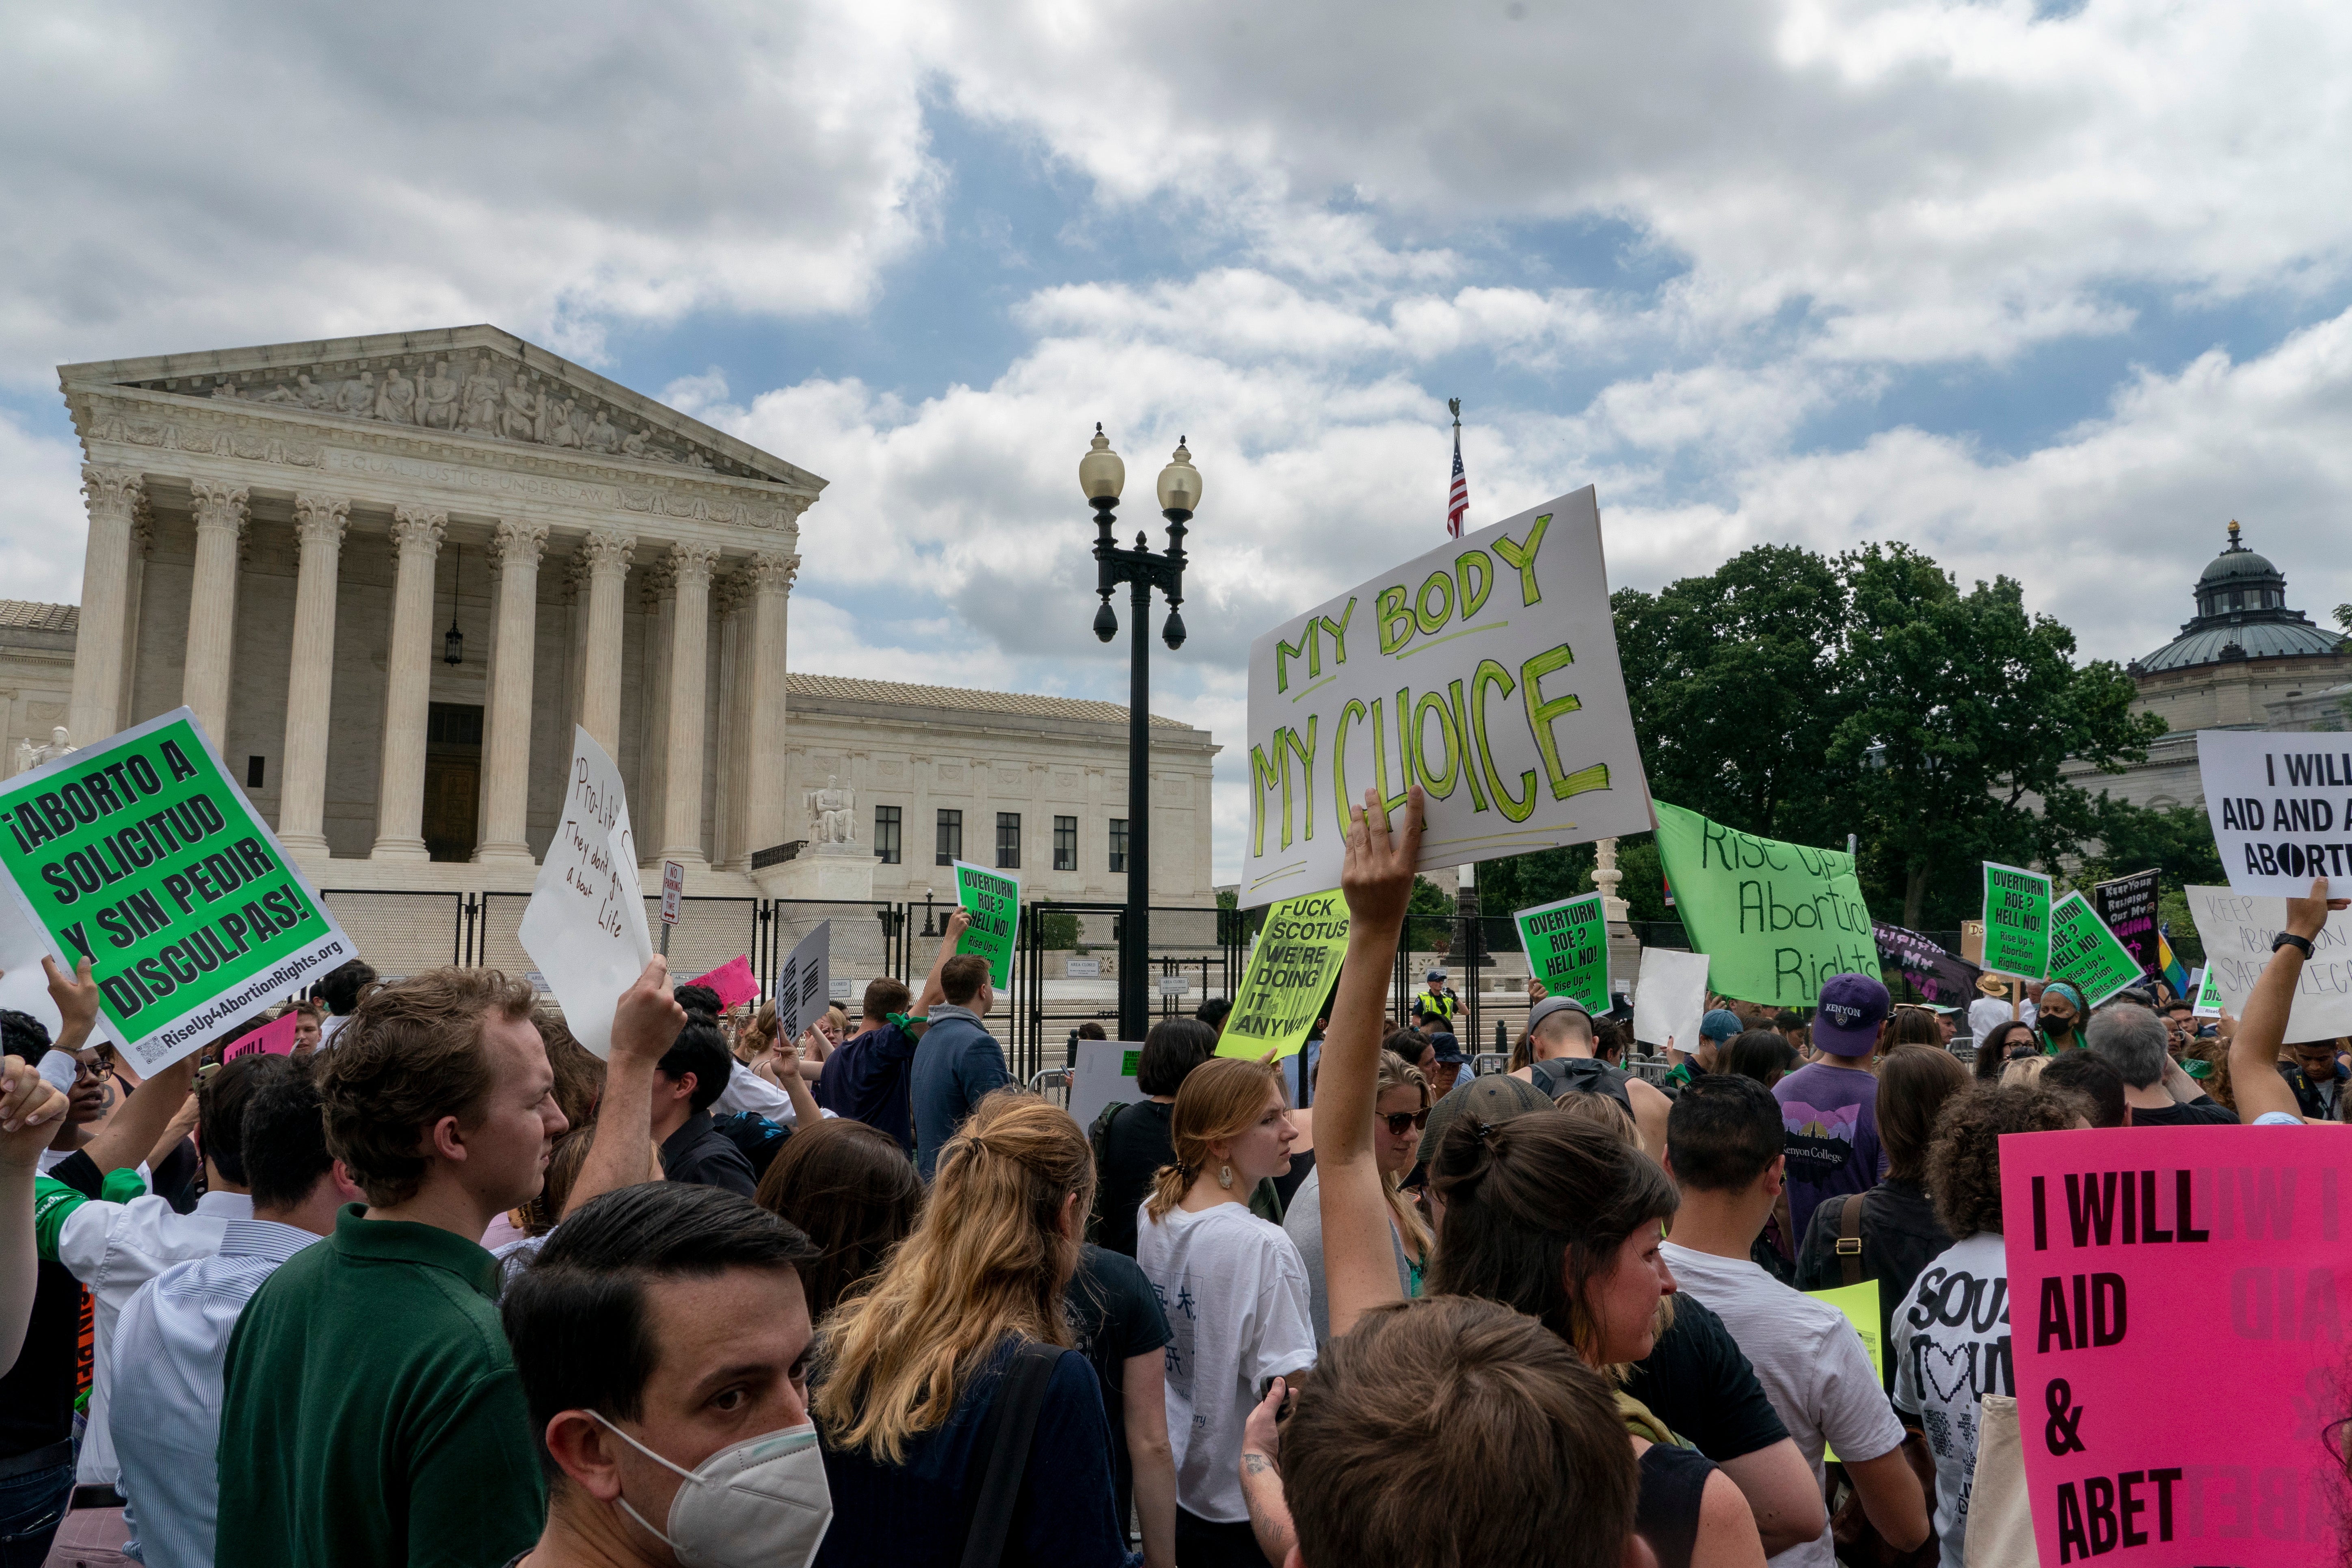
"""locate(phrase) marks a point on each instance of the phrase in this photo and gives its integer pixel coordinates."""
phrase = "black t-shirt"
(697, 1152)
(36, 1395)
(1115, 1314)
(1900, 1237)
(1697, 1380)
(2201, 1112)
(1134, 1149)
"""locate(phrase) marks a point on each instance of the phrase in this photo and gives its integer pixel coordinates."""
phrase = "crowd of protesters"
(437, 1286)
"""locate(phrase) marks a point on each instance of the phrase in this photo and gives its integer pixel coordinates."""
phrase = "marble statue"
(311, 395)
(357, 398)
(30, 756)
(601, 436)
(437, 399)
(397, 400)
(833, 812)
(483, 394)
(525, 410)
(559, 432)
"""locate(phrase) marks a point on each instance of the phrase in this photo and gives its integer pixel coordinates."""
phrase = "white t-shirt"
(1950, 1349)
(1235, 1295)
(1814, 1368)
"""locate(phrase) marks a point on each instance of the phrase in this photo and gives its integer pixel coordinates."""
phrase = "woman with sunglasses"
(1400, 1112)
(2001, 1046)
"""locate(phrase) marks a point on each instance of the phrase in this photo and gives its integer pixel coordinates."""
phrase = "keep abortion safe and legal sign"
(142, 855)
(1485, 671)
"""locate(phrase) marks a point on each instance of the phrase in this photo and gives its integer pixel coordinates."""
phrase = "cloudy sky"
(2054, 290)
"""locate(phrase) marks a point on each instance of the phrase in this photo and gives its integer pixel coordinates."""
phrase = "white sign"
(673, 890)
(2237, 933)
(1085, 969)
(1487, 671)
(803, 985)
(1105, 1072)
(1174, 984)
(841, 990)
(585, 925)
(1670, 997)
(2280, 807)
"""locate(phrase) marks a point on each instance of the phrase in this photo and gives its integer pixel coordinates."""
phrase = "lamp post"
(1102, 475)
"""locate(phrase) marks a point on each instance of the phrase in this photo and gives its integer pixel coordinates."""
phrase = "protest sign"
(585, 925)
(1567, 944)
(1775, 919)
(141, 853)
(2280, 807)
(803, 993)
(1485, 671)
(2237, 933)
(1670, 997)
(2016, 921)
(2223, 1237)
(733, 979)
(274, 1038)
(1291, 971)
(2207, 989)
(1927, 968)
(2085, 954)
(993, 901)
(2128, 905)
(1860, 1305)
(1101, 1072)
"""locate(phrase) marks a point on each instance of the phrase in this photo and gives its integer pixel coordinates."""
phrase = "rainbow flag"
(2167, 966)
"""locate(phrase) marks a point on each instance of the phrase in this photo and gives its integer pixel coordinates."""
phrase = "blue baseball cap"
(1852, 1006)
(1720, 1025)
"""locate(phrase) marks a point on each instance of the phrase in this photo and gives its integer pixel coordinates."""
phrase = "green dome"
(2241, 613)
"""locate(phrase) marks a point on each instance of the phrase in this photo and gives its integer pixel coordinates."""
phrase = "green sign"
(2087, 954)
(1290, 972)
(993, 901)
(142, 855)
(1774, 918)
(2208, 992)
(1567, 944)
(2016, 921)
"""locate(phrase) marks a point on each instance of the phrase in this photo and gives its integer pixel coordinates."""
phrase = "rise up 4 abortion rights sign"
(1485, 671)
(2121, 1251)
(1774, 918)
(142, 855)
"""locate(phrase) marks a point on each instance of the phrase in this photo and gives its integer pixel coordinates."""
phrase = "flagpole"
(1466, 877)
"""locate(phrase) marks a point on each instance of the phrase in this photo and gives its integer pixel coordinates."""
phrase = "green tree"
(1962, 708)
(1057, 929)
(1429, 918)
(2177, 840)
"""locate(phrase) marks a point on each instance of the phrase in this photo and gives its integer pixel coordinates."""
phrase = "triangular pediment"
(473, 383)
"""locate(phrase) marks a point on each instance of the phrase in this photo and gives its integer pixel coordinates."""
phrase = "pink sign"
(2177, 1339)
(276, 1038)
(732, 980)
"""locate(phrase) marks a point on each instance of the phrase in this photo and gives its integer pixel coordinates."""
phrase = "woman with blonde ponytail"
(1234, 1288)
(911, 1368)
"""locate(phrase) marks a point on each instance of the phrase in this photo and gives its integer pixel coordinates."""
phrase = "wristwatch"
(2288, 939)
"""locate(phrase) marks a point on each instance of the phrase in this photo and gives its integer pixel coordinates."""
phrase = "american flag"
(1457, 504)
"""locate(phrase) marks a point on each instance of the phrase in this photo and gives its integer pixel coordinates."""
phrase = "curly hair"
(1964, 1162)
(2216, 1082)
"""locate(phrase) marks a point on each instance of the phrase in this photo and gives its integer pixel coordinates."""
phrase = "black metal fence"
(1065, 972)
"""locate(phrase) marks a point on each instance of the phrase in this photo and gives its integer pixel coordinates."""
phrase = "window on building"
(885, 834)
(1118, 845)
(1066, 843)
(951, 836)
(1008, 841)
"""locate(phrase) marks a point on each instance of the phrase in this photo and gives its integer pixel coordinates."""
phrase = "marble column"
(515, 553)
(221, 519)
(600, 691)
(318, 523)
(689, 658)
(101, 651)
(731, 594)
(142, 547)
(658, 586)
(416, 536)
(764, 803)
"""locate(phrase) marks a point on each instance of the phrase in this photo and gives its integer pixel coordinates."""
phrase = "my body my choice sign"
(139, 854)
(1485, 671)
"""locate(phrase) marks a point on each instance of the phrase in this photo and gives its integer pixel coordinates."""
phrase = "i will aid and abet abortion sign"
(2180, 1329)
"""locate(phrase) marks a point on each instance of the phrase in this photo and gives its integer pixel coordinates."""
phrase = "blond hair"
(1221, 1099)
(988, 1258)
(1398, 1073)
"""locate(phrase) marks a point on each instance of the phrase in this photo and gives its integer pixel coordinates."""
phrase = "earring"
(1226, 1177)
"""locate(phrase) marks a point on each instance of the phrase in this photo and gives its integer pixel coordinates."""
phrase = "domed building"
(2244, 661)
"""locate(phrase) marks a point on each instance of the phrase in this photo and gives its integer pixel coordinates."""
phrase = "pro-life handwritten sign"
(2123, 1248)
(2280, 807)
(585, 925)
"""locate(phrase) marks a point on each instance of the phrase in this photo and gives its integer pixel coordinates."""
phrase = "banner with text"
(585, 925)
(1291, 971)
(2280, 807)
(2128, 905)
(141, 854)
(1774, 918)
(1485, 671)
(1567, 944)
(2225, 1237)
(803, 987)
(2016, 921)
(994, 901)
(2085, 954)
(2237, 932)
(1927, 968)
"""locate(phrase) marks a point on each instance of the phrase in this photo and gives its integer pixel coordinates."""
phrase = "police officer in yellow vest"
(1439, 999)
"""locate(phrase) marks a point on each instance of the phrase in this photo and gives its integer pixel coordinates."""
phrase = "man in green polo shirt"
(372, 1413)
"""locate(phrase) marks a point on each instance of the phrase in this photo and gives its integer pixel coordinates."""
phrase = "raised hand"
(647, 1018)
(1377, 875)
(2306, 917)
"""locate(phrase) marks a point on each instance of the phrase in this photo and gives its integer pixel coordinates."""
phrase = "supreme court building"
(390, 573)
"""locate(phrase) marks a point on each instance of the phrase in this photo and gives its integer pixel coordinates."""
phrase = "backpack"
(1098, 1140)
(760, 1139)
(1557, 1076)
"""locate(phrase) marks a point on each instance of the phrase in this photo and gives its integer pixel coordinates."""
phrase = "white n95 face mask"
(760, 1503)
